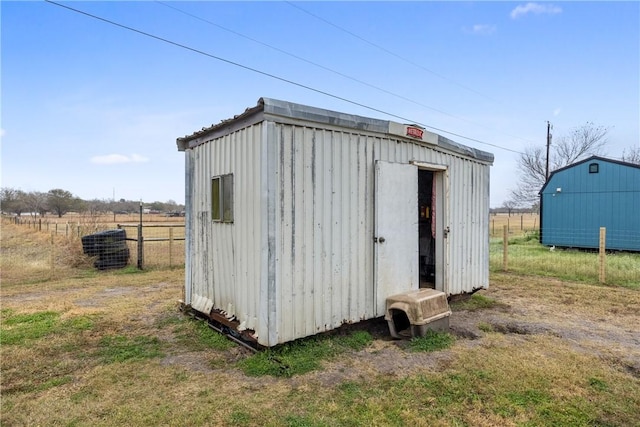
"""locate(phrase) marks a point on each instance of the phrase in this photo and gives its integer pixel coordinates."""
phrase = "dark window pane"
(215, 199)
(227, 198)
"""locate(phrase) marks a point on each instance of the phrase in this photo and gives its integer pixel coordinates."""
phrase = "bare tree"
(36, 202)
(12, 200)
(96, 207)
(631, 156)
(587, 140)
(581, 142)
(510, 205)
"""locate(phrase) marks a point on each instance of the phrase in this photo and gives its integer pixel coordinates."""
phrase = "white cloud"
(483, 29)
(2, 132)
(112, 159)
(557, 111)
(536, 9)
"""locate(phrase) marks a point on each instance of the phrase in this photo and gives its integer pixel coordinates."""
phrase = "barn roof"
(588, 159)
(274, 108)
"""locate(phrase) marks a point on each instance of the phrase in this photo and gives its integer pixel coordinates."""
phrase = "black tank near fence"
(148, 244)
(110, 248)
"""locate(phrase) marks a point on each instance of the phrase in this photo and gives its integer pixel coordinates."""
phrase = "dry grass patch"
(556, 296)
(111, 349)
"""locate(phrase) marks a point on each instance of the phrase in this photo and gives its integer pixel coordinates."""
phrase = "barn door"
(396, 230)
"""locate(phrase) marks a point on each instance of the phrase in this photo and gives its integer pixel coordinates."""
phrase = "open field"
(517, 224)
(111, 348)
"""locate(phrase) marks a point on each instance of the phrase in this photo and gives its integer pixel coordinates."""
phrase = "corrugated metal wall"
(298, 258)
(226, 258)
(324, 229)
(324, 224)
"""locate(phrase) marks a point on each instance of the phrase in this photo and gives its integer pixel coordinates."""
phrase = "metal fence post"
(505, 246)
(140, 242)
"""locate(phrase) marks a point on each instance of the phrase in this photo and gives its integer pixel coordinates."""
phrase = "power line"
(332, 70)
(387, 51)
(273, 76)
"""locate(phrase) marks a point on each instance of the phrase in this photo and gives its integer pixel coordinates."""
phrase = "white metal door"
(396, 230)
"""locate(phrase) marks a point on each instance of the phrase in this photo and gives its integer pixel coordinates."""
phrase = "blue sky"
(95, 109)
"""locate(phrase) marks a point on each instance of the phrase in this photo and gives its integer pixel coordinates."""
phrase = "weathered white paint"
(396, 235)
(299, 257)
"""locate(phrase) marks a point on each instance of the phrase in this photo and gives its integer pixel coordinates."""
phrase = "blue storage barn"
(596, 192)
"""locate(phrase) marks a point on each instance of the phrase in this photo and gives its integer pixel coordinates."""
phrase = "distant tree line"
(509, 209)
(59, 202)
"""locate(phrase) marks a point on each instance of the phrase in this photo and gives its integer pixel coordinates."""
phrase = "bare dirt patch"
(597, 322)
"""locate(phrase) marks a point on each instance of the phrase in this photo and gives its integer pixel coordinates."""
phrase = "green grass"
(475, 302)
(195, 334)
(527, 256)
(485, 327)
(21, 329)
(302, 356)
(239, 418)
(432, 341)
(119, 348)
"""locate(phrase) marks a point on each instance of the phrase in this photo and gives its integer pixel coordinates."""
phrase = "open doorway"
(427, 228)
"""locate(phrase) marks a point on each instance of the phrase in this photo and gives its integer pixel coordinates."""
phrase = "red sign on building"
(414, 132)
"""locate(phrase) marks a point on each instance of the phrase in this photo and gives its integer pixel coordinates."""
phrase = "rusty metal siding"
(299, 256)
(324, 214)
(226, 258)
(324, 257)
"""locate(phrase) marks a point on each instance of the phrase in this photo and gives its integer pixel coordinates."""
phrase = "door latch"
(446, 232)
(379, 239)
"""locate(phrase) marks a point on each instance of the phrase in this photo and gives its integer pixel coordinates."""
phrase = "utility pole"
(549, 127)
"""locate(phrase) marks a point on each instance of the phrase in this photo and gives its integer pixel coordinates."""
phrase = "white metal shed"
(300, 219)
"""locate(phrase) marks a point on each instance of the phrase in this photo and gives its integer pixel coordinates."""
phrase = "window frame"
(222, 198)
(594, 167)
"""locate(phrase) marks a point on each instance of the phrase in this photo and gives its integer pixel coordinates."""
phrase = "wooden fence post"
(52, 258)
(505, 246)
(602, 254)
